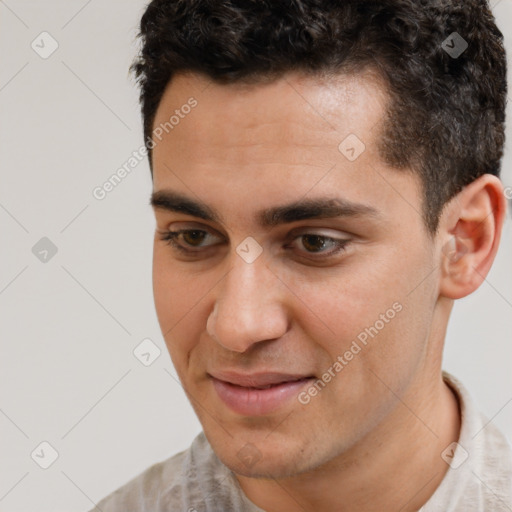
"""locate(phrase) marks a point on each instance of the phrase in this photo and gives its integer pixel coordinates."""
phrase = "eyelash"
(171, 236)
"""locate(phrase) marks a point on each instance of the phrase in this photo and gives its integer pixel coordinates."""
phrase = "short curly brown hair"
(447, 111)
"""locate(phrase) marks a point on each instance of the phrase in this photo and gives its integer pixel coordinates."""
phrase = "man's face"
(277, 303)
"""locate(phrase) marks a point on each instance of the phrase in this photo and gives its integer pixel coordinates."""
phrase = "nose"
(249, 307)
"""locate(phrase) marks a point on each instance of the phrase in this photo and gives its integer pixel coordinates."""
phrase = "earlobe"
(469, 235)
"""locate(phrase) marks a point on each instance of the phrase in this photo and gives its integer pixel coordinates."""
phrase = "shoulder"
(180, 482)
(492, 470)
(488, 450)
(479, 478)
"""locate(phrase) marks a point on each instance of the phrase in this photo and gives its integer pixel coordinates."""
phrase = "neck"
(397, 466)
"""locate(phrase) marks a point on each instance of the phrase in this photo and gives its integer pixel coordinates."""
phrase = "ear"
(469, 235)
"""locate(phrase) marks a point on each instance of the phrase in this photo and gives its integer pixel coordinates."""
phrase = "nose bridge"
(248, 306)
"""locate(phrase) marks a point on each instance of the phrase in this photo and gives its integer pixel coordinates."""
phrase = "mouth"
(257, 394)
(268, 386)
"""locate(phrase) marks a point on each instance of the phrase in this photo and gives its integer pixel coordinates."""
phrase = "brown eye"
(193, 237)
(313, 243)
(317, 246)
(188, 240)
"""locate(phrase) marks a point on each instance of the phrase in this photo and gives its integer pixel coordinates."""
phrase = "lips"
(258, 393)
(257, 380)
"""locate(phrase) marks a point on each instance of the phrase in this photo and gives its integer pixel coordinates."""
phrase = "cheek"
(342, 304)
(164, 282)
(383, 348)
(368, 313)
(181, 303)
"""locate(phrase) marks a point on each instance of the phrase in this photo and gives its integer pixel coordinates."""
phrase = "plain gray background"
(70, 324)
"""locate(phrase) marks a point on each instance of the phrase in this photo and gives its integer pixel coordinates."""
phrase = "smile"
(258, 395)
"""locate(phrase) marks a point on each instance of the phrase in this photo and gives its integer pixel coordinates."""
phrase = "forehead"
(247, 146)
(293, 113)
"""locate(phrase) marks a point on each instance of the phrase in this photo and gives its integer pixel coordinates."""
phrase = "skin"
(372, 438)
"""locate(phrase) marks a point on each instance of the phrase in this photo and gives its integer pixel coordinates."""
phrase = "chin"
(265, 469)
(269, 459)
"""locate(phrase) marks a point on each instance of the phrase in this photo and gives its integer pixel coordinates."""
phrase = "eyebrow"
(317, 208)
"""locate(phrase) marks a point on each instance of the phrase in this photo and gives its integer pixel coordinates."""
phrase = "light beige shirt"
(479, 478)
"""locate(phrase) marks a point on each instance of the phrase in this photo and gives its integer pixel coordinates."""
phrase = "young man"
(325, 186)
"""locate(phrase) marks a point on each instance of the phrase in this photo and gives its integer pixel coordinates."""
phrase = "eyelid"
(294, 233)
(326, 232)
(184, 226)
(170, 236)
(339, 243)
(339, 239)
